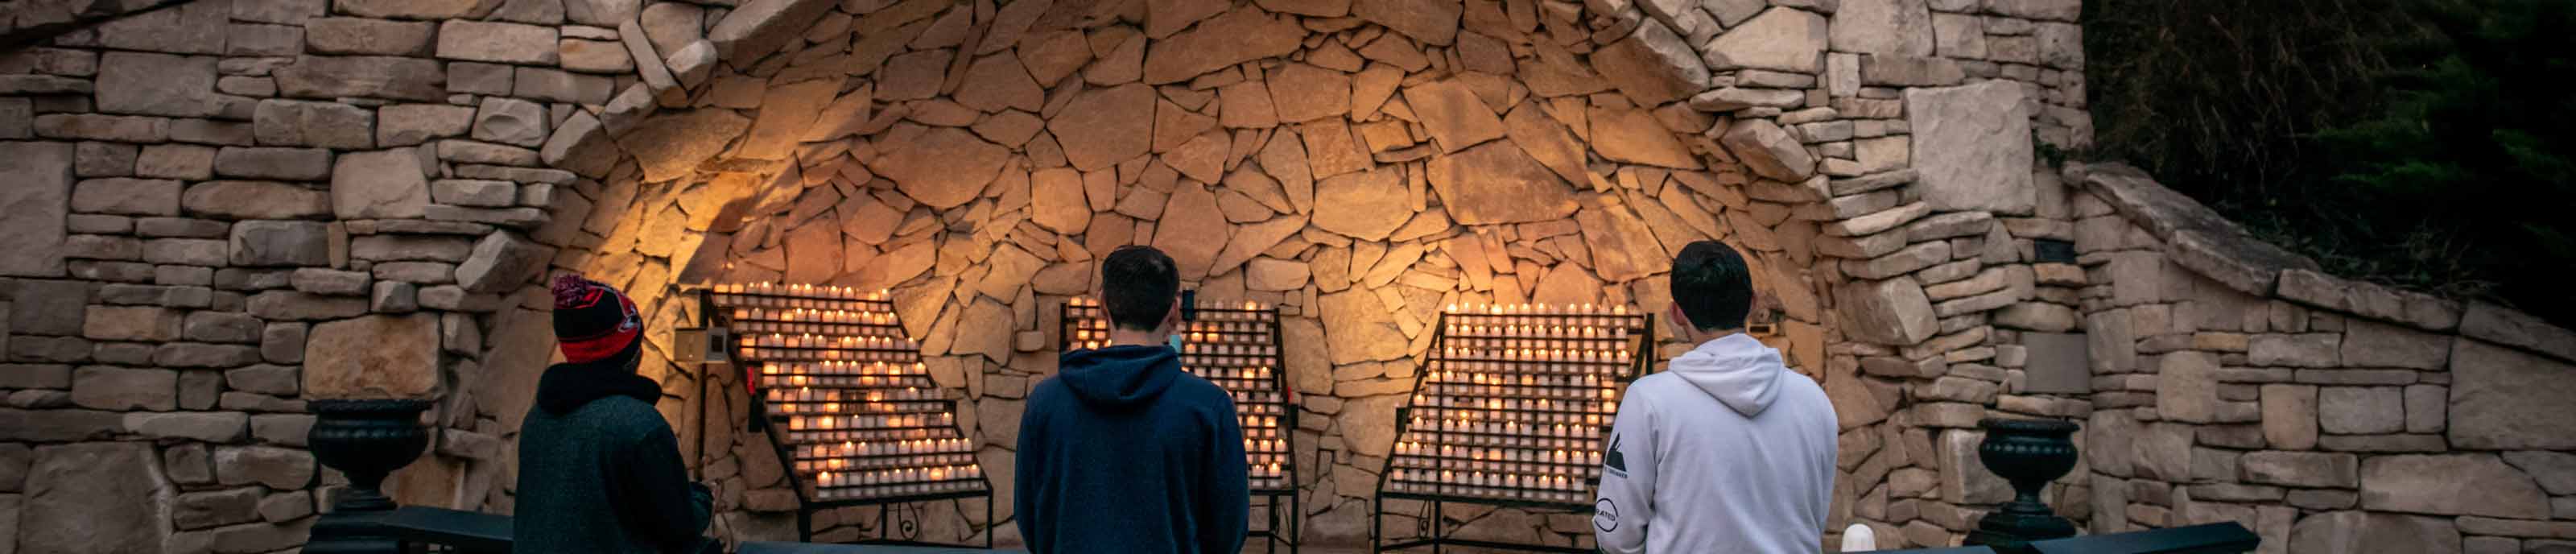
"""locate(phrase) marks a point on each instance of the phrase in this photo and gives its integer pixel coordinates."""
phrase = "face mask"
(1174, 340)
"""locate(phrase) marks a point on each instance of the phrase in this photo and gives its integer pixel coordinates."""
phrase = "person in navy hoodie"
(1121, 451)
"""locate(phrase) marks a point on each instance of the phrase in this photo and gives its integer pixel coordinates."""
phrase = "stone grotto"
(218, 210)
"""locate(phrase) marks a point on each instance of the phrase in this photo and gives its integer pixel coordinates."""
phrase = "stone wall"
(2234, 382)
(335, 198)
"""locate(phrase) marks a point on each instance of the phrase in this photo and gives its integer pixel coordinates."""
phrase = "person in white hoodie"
(1726, 450)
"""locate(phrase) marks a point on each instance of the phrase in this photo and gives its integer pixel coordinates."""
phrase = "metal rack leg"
(1296, 522)
(804, 524)
(1377, 515)
(1436, 519)
(990, 526)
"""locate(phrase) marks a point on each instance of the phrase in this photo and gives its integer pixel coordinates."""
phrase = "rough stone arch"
(465, 148)
(1595, 141)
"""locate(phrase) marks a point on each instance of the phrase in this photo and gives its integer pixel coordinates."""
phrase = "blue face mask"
(1174, 340)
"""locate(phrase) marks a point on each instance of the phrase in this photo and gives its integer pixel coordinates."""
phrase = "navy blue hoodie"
(1123, 452)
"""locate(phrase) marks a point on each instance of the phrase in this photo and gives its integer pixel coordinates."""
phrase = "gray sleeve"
(1627, 498)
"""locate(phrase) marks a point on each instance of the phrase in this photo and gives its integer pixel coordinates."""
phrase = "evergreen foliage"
(2423, 143)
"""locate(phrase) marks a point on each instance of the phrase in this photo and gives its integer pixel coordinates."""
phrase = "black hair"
(1138, 284)
(1712, 286)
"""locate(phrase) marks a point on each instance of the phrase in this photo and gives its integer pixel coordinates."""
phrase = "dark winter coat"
(600, 471)
(1122, 452)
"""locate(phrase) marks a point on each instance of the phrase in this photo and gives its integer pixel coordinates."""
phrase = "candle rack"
(1236, 346)
(846, 401)
(1510, 411)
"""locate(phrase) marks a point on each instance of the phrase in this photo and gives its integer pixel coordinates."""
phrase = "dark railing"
(425, 529)
(367, 439)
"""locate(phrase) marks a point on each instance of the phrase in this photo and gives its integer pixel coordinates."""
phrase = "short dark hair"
(1139, 285)
(1712, 285)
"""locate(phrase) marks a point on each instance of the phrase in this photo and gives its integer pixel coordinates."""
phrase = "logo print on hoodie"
(1613, 459)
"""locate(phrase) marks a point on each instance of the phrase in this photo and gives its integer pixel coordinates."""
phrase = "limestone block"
(1769, 151)
(1102, 127)
(1728, 99)
(501, 261)
(286, 164)
(2503, 325)
(2452, 484)
(2372, 344)
(510, 121)
(1243, 34)
(1652, 65)
(1192, 231)
(379, 356)
(355, 35)
(131, 323)
(1368, 205)
(1892, 312)
(2361, 410)
(127, 196)
(399, 78)
(759, 27)
(280, 243)
(2289, 416)
(2295, 350)
(109, 388)
(379, 184)
(1634, 136)
(36, 203)
(321, 124)
(1965, 479)
(1883, 27)
(214, 427)
(157, 84)
(1361, 328)
(2187, 387)
(1498, 183)
(2509, 399)
(1972, 147)
(94, 497)
(1622, 248)
(1781, 39)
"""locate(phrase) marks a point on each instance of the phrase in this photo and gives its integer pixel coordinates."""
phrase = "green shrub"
(2422, 143)
(2468, 163)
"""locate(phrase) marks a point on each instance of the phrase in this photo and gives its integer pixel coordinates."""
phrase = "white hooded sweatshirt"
(1726, 451)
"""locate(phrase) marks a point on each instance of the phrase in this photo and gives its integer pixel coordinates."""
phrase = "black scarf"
(567, 387)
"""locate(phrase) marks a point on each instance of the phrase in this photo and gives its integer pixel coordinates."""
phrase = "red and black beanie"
(594, 322)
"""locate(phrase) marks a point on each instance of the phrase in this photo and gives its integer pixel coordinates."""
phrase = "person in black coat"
(599, 470)
(1123, 452)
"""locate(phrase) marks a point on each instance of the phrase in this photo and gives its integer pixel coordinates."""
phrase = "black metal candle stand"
(1510, 411)
(846, 402)
(1237, 347)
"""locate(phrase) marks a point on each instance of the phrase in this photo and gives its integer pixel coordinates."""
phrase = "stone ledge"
(2207, 243)
(2204, 241)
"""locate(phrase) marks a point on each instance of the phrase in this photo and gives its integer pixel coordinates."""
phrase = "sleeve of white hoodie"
(1627, 497)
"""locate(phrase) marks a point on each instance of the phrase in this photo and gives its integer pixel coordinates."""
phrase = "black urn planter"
(367, 440)
(2029, 453)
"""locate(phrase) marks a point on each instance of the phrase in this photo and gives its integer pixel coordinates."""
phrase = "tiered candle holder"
(1510, 411)
(846, 400)
(1236, 346)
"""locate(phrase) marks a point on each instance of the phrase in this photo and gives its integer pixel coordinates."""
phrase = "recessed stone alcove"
(1360, 168)
(217, 209)
(201, 251)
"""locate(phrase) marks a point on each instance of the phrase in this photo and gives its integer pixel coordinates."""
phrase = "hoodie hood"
(1739, 371)
(1119, 377)
(569, 386)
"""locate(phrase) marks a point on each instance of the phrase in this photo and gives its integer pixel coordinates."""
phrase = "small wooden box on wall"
(702, 345)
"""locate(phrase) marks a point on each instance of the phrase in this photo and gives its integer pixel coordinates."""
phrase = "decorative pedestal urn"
(2029, 453)
(366, 440)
